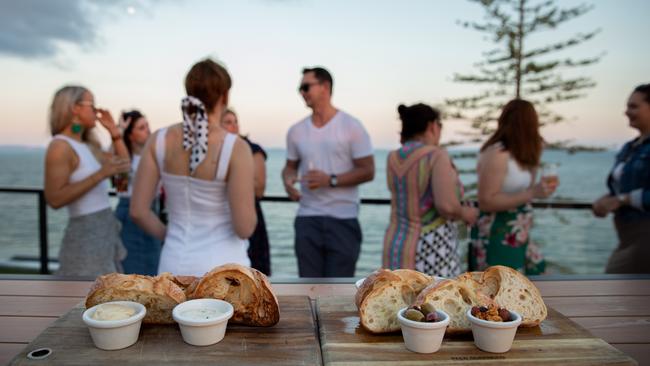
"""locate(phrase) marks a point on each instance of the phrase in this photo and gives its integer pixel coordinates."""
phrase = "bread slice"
(158, 294)
(378, 310)
(247, 289)
(376, 279)
(454, 298)
(514, 291)
(417, 280)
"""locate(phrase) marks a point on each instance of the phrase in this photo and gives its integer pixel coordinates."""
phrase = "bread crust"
(377, 278)
(383, 293)
(453, 297)
(158, 294)
(417, 280)
(514, 291)
(247, 289)
(378, 310)
(498, 285)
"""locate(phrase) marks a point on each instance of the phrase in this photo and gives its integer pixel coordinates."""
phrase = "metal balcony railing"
(42, 214)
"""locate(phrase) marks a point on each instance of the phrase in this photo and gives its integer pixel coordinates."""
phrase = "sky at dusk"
(381, 53)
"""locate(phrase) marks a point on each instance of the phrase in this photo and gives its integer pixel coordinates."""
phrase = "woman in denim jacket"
(629, 192)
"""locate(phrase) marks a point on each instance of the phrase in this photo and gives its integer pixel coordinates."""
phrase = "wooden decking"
(615, 308)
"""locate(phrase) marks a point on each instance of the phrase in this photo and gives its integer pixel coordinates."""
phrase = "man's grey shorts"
(327, 246)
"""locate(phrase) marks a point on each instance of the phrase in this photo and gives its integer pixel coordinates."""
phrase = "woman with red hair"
(506, 170)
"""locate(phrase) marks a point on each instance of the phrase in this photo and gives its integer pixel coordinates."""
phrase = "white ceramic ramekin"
(115, 334)
(423, 337)
(494, 337)
(203, 332)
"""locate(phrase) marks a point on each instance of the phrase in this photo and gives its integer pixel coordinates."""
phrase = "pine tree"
(514, 69)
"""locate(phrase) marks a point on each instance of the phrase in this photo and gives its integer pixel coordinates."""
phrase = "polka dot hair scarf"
(195, 130)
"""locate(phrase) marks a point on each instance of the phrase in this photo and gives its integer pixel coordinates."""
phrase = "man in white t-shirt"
(329, 154)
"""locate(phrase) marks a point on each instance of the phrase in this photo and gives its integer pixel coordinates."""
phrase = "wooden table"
(615, 308)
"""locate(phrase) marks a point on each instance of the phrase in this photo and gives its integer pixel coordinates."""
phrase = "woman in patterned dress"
(506, 169)
(425, 199)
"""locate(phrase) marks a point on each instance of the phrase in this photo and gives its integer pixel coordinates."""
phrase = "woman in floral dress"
(506, 169)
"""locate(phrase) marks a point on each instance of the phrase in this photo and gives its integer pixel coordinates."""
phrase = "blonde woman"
(76, 172)
(207, 174)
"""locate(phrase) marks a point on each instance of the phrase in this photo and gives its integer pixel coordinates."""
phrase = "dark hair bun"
(416, 119)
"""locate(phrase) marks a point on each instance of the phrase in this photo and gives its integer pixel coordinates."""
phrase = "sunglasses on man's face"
(304, 87)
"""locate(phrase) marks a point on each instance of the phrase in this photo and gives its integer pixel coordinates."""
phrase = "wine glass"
(549, 175)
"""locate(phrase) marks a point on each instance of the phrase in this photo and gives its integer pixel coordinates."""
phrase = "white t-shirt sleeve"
(292, 148)
(360, 140)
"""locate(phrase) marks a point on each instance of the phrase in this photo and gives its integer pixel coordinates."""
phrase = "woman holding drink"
(506, 169)
(76, 172)
(143, 249)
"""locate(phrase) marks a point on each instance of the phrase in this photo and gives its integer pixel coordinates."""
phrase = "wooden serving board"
(293, 341)
(557, 341)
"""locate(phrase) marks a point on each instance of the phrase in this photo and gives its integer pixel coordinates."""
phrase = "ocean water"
(573, 241)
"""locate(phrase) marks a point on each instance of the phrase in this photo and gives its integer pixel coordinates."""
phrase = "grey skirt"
(91, 245)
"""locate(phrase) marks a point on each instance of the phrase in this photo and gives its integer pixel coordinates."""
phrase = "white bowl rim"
(358, 283)
(141, 311)
(423, 325)
(490, 324)
(176, 312)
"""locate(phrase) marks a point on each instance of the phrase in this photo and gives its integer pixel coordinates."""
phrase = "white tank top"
(517, 179)
(200, 235)
(97, 198)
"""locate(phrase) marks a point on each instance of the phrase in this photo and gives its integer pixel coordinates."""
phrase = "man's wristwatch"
(333, 180)
(623, 198)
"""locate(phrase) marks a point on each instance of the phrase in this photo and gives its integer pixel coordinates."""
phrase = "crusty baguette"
(158, 294)
(454, 298)
(378, 311)
(245, 288)
(514, 291)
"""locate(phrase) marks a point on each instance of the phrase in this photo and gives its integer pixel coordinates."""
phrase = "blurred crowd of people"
(211, 179)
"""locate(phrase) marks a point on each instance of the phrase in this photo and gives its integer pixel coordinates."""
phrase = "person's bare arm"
(241, 192)
(492, 170)
(144, 191)
(59, 166)
(260, 174)
(444, 185)
(119, 147)
(363, 171)
(289, 178)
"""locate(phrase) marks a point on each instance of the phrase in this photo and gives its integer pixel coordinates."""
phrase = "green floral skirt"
(503, 238)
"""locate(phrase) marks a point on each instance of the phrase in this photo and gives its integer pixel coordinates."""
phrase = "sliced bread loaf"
(375, 279)
(378, 310)
(247, 289)
(514, 291)
(413, 278)
(159, 294)
(454, 298)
